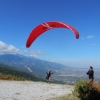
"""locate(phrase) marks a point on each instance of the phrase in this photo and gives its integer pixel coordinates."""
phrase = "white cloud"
(23, 51)
(35, 53)
(8, 49)
(90, 37)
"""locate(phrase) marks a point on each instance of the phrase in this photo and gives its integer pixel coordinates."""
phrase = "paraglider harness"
(47, 77)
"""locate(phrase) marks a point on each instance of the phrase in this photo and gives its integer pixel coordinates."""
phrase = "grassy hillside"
(10, 73)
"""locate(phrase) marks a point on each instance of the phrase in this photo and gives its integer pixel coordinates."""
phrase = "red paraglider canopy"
(37, 31)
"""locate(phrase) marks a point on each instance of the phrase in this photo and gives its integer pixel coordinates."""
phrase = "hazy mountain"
(11, 73)
(30, 64)
(39, 67)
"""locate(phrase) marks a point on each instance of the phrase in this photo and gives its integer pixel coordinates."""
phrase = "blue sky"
(19, 17)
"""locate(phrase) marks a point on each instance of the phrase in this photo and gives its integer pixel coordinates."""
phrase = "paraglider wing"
(45, 27)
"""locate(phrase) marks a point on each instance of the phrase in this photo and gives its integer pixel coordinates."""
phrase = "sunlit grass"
(10, 77)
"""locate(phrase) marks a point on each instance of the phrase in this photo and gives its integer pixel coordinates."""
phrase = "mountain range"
(12, 73)
(38, 67)
(30, 64)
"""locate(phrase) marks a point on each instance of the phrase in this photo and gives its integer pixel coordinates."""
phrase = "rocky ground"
(28, 90)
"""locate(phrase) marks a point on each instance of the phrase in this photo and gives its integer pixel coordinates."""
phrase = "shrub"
(87, 91)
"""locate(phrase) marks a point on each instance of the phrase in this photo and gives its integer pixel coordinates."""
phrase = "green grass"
(11, 77)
